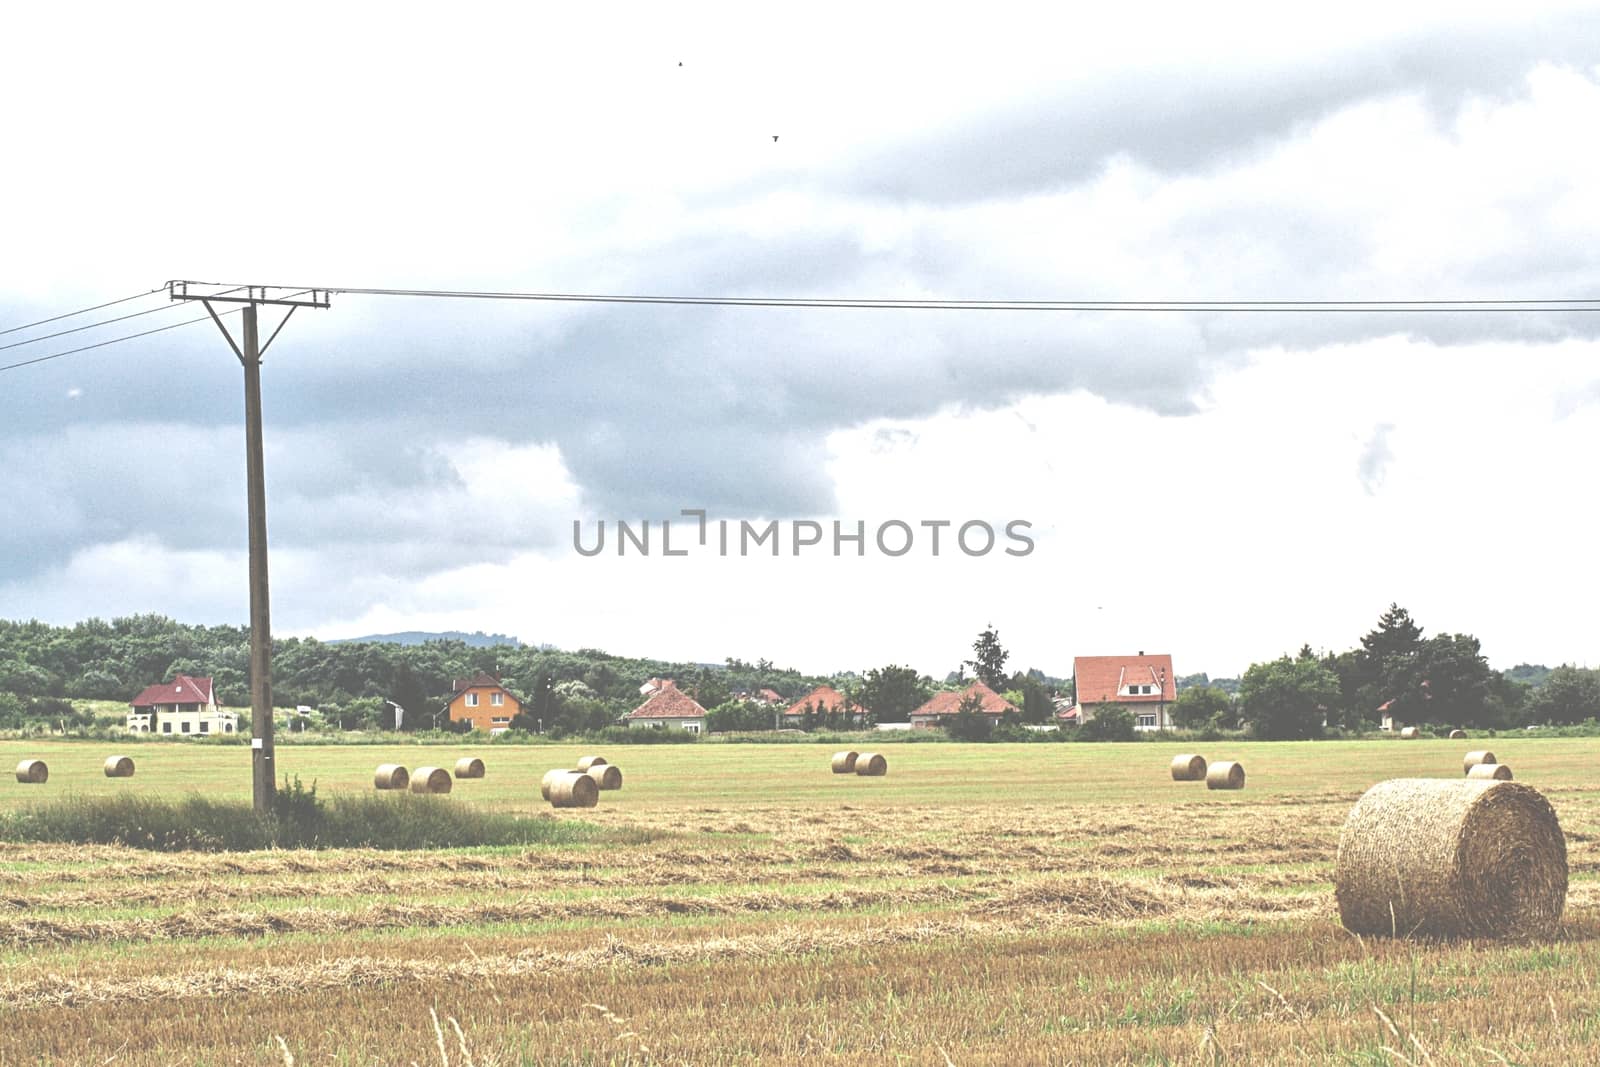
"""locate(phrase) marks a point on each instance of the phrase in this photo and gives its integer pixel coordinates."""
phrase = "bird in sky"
(774, 137)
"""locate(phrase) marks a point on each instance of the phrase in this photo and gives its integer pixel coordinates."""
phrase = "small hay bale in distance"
(1494, 772)
(33, 772)
(1442, 857)
(574, 790)
(1472, 759)
(1225, 774)
(391, 776)
(871, 765)
(1457, 735)
(430, 780)
(1188, 768)
(845, 762)
(1408, 733)
(585, 762)
(606, 776)
(119, 767)
(469, 767)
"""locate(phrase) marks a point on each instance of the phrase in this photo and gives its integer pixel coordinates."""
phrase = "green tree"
(1110, 723)
(1200, 706)
(1287, 698)
(1456, 680)
(1390, 667)
(989, 659)
(969, 723)
(892, 693)
(1569, 694)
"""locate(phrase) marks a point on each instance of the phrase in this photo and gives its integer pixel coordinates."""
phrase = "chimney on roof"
(1141, 652)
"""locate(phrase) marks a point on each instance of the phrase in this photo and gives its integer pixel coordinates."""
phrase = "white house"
(184, 707)
(668, 708)
(1144, 685)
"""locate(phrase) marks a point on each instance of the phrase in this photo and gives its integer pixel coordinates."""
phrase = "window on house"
(472, 700)
(166, 727)
(205, 728)
(185, 727)
(227, 727)
(497, 699)
(1147, 722)
(692, 727)
(500, 720)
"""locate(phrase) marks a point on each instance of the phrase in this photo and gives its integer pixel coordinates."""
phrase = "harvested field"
(1097, 912)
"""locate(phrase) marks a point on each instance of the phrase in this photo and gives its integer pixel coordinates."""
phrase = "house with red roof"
(183, 707)
(669, 708)
(1143, 685)
(484, 702)
(942, 707)
(824, 700)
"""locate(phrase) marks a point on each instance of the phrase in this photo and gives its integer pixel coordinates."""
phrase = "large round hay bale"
(1472, 759)
(119, 767)
(33, 772)
(1451, 858)
(844, 762)
(391, 776)
(469, 767)
(1225, 774)
(1457, 735)
(551, 777)
(606, 776)
(585, 762)
(430, 780)
(871, 765)
(1187, 768)
(574, 791)
(1494, 772)
(1408, 733)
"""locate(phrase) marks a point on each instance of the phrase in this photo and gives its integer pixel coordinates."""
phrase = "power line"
(91, 326)
(82, 311)
(1138, 306)
(114, 340)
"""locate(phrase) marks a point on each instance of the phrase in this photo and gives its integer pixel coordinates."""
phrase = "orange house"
(484, 702)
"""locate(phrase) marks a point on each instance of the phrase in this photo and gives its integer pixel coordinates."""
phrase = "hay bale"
(585, 762)
(1225, 775)
(574, 790)
(1188, 768)
(1408, 733)
(32, 772)
(1472, 759)
(391, 776)
(1494, 772)
(469, 767)
(1457, 735)
(844, 762)
(119, 767)
(551, 777)
(430, 780)
(606, 776)
(871, 765)
(1451, 858)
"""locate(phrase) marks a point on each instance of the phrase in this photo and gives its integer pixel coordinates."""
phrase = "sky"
(1222, 487)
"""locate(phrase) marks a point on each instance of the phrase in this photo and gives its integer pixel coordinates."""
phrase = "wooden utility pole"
(263, 772)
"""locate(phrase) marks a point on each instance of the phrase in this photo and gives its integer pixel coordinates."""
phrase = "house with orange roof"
(669, 708)
(182, 707)
(1143, 685)
(824, 700)
(484, 702)
(940, 708)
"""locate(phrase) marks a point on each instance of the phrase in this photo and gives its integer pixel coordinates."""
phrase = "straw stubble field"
(979, 905)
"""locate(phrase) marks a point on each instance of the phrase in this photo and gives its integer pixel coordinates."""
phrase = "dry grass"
(768, 930)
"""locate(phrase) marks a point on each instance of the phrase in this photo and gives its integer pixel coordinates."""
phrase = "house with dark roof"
(824, 700)
(183, 707)
(484, 702)
(940, 708)
(669, 708)
(1143, 685)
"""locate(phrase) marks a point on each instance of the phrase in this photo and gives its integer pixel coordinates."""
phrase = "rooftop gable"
(181, 690)
(669, 703)
(949, 703)
(1101, 679)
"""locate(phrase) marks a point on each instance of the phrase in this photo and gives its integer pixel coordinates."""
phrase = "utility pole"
(263, 782)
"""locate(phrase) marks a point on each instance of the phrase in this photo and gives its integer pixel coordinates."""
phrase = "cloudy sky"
(1220, 486)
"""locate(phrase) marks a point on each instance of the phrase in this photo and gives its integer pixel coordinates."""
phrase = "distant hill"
(476, 639)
